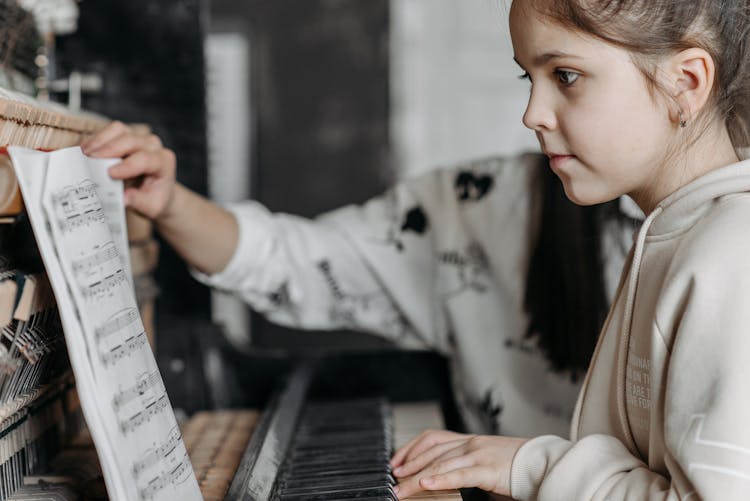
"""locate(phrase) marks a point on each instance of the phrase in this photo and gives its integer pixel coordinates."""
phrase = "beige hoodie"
(664, 412)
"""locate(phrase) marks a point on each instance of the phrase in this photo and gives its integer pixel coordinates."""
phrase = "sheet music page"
(121, 390)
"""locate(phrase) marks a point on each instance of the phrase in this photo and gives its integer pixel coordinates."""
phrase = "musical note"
(143, 385)
(131, 345)
(116, 324)
(78, 207)
(67, 197)
(139, 418)
(161, 452)
(160, 482)
(84, 219)
(108, 253)
(101, 287)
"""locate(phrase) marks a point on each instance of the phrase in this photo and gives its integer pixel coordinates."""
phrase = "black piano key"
(343, 446)
(366, 498)
(340, 451)
(335, 469)
(357, 494)
(313, 465)
(377, 479)
(344, 456)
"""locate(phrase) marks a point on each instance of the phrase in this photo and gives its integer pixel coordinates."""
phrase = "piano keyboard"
(340, 451)
(307, 450)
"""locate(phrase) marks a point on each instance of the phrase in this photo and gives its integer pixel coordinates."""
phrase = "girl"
(648, 98)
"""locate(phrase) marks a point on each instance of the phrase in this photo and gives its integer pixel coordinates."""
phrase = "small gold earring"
(683, 122)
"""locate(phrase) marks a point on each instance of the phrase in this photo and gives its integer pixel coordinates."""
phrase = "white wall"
(229, 166)
(455, 89)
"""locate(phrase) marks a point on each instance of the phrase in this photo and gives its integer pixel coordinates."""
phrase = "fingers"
(472, 476)
(457, 473)
(104, 136)
(417, 462)
(421, 443)
(149, 179)
(400, 454)
(473, 461)
(119, 140)
(160, 163)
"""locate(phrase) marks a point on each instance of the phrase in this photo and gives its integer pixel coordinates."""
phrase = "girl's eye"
(566, 78)
(525, 76)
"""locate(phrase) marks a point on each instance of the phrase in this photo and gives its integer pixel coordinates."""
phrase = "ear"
(692, 72)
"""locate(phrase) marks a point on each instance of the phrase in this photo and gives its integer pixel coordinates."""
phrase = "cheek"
(628, 128)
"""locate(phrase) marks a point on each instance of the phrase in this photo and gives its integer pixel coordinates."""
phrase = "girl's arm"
(372, 268)
(203, 233)
(380, 267)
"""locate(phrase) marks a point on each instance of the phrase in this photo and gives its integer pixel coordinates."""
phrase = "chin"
(582, 196)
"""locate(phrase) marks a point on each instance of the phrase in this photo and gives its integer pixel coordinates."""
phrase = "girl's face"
(605, 133)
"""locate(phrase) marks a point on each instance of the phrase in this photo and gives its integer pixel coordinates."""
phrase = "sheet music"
(77, 214)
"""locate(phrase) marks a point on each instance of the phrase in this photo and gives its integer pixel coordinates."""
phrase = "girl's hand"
(435, 462)
(421, 443)
(148, 168)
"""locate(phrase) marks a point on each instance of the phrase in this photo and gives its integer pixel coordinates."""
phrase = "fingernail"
(398, 471)
(427, 481)
(395, 489)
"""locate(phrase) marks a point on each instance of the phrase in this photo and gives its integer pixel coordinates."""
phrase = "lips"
(557, 161)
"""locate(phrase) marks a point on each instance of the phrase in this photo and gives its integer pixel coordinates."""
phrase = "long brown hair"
(565, 294)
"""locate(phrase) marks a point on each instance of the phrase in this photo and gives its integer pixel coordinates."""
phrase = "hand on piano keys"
(439, 461)
(410, 422)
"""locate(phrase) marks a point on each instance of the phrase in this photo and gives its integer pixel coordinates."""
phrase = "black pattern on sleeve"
(349, 309)
(414, 221)
(470, 269)
(491, 411)
(472, 187)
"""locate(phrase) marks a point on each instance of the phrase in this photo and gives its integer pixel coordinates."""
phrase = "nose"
(539, 115)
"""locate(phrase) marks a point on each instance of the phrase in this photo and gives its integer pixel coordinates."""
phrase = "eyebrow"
(543, 59)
